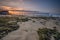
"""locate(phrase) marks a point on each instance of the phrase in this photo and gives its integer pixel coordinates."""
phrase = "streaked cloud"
(12, 10)
(9, 8)
(35, 5)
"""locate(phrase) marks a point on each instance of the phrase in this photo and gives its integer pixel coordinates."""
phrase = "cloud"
(35, 5)
(9, 8)
(12, 10)
(12, 3)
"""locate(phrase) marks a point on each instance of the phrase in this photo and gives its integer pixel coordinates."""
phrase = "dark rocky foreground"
(7, 26)
(30, 28)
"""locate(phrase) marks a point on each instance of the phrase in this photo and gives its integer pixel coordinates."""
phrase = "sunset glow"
(15, 13)
(10, 8)
(47, 6)
(12, 11)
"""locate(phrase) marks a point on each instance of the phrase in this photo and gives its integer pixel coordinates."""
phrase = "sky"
(52, 6)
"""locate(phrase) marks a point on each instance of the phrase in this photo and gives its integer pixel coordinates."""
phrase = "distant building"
(4, 12)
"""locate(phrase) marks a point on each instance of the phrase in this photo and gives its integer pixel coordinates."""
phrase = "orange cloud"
(9, 9)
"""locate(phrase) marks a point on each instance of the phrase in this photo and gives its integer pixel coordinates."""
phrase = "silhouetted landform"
(32, 13)
(4, 12)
